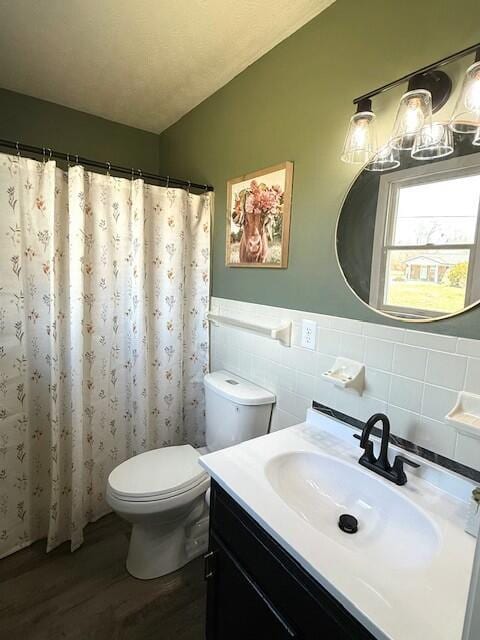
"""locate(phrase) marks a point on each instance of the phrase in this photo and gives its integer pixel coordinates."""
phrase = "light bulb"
(413, 116)
(472, 96)
(360, 133)
(360, 142)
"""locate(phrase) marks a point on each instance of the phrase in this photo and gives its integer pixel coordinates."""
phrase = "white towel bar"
(283, 334)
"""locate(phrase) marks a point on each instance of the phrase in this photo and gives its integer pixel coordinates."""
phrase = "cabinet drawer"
(308, 606)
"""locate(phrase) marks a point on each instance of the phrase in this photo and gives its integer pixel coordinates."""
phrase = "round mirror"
(408, 233)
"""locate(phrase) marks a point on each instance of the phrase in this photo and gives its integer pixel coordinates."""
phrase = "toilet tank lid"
(237, 389)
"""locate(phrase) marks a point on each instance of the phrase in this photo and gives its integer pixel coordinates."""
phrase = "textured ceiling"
(141, 62)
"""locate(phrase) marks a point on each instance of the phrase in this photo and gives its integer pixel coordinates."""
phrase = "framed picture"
(258, 218)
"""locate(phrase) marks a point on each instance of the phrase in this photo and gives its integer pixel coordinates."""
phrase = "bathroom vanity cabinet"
(257, 591)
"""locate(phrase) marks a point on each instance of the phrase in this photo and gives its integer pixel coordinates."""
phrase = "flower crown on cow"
(258, 199)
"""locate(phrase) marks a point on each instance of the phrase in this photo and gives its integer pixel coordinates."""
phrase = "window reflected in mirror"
(408, 240)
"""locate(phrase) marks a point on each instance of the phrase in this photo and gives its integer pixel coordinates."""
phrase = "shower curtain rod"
(49, 154)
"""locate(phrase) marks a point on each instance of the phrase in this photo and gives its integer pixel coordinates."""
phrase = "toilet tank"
(235, 410)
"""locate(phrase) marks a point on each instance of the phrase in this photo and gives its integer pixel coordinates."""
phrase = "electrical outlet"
(309, 334)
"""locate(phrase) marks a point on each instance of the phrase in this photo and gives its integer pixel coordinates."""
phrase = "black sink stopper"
(348, 523)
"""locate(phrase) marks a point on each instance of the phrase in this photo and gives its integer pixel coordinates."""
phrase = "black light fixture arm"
(475, 48)
(49, 154)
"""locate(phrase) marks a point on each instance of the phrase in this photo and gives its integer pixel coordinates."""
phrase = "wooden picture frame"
(258, 218)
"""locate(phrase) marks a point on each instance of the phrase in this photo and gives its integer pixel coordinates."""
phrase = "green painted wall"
(42, 123)
(294, 104)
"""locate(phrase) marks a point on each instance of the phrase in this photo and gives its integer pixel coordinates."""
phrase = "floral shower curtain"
(104, 286)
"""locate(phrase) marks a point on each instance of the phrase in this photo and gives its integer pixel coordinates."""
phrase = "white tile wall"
(413, 376)
(410, 361)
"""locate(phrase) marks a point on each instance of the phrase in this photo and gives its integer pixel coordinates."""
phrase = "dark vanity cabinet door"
(256, 591)
(238, 609)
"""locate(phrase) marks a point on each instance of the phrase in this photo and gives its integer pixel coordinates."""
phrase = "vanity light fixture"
(361, 141)
(429, 89)
(466, 115)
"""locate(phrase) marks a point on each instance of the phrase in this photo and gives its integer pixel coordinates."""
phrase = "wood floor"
(88, 595)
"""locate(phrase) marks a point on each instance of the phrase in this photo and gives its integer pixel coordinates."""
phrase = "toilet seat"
(157, 475)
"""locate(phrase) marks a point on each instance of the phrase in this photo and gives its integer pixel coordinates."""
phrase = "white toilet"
(162, 492)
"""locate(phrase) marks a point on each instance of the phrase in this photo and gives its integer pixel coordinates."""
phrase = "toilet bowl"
(162, 492)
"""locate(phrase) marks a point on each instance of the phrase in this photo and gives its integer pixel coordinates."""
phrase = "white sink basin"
(320, 488)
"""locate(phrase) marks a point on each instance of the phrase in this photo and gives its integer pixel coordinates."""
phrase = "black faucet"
(381, 465)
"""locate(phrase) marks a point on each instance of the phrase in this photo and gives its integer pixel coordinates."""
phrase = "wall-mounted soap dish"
(347, 374)
(465, 415)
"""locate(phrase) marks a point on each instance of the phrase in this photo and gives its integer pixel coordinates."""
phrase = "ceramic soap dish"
(347, 374)
(465, 415)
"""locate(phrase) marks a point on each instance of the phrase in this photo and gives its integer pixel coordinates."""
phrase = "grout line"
(423, 398)
(464, 384)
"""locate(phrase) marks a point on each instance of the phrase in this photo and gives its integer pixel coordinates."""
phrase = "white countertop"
(394, 602)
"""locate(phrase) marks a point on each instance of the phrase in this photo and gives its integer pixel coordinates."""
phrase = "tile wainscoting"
(414, 377)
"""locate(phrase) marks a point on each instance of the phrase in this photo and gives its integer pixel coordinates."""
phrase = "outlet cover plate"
(309, 334)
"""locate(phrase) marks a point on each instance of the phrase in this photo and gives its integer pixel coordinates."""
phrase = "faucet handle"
(405, 460)
(363, 444)
(400, 477)
(368, 448)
